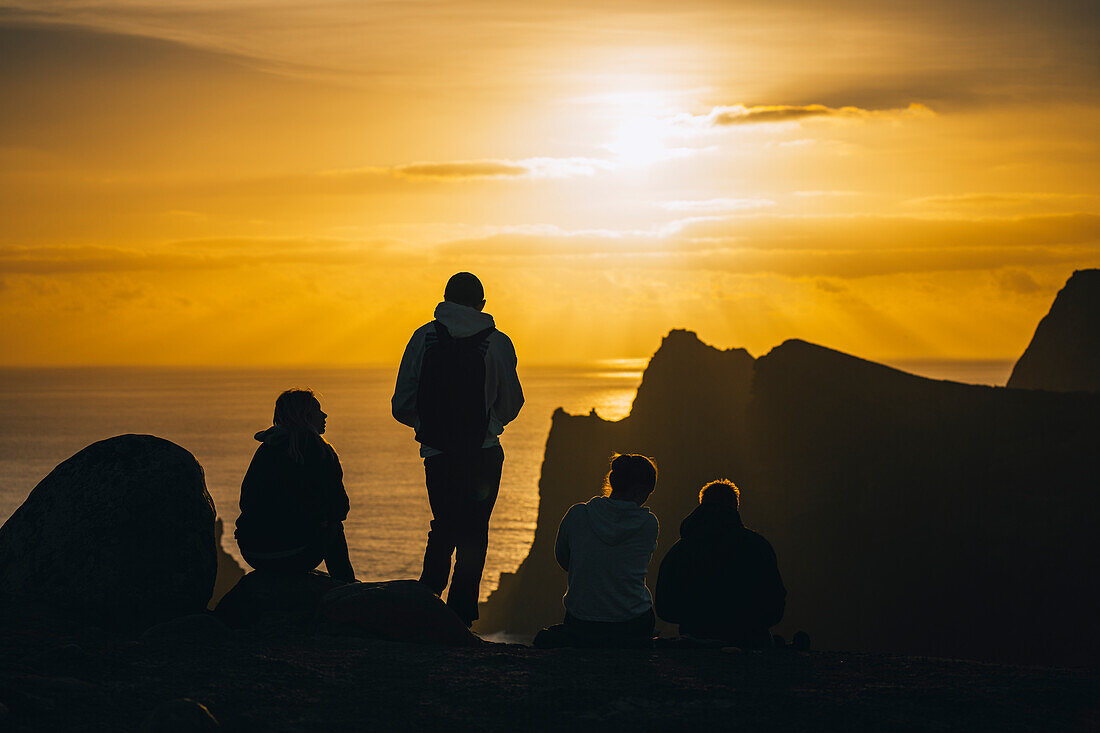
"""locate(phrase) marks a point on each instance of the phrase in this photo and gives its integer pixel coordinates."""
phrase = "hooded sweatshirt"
(605, 545)
(720, 580)
(503, 394)
(283, 502)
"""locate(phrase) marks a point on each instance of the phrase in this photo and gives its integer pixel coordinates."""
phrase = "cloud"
(207, 254)
(526, 168)
(996, 200)
(1017, 281)
(777, 113)
(826, 194)
(812, 246)
(710, 206)
(829, 286)
(839, 247)
(469, 169)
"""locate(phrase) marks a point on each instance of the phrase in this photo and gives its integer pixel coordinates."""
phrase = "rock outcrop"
(1064, 353)
(122, 534)
(398, 610)
(266, 598)
(909, 515)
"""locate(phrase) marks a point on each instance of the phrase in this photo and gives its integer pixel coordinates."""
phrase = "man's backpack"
(450, 398)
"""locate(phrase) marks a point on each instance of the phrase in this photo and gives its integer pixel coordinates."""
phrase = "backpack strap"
(441, 333)
(481, 339)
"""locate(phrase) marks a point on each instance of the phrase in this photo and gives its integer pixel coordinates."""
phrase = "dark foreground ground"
(61, 677)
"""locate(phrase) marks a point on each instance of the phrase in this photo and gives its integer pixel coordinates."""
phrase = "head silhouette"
(299, 412)
(723, 491)
(465, 289)
(632, 477)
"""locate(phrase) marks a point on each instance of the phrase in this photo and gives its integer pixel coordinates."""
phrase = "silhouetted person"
(293, 502)
(457, 387)
(605, 545)
(721, 580)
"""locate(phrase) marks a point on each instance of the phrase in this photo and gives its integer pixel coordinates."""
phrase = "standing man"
(457, 387)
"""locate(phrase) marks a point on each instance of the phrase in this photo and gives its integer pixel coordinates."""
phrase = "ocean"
(50, 414)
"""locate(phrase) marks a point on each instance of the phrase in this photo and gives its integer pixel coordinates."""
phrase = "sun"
(640, 141)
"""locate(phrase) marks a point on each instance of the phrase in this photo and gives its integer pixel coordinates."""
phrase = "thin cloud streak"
(854, 246)
(784, 113)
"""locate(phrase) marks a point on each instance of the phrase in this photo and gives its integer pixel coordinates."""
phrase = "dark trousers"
(462, 490)
(329, 545)
(575, 632)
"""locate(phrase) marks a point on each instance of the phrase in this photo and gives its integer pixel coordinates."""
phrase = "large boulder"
(122, 533)
(398, 610)
(264, 598)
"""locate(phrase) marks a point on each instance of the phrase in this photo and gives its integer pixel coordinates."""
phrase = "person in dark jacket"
(721, 580)
(293, 501)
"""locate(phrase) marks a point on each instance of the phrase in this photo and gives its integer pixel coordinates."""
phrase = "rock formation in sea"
(1064, 353)
(909, 515)
(229, 570)
(121, 533)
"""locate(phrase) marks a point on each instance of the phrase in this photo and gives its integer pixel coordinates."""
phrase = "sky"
(234, 182)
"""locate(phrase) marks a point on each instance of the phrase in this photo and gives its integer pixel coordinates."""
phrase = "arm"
(403, 403)
(561, 544)
(773, 595)
(509, 396)
(337, 496)
(669, 594)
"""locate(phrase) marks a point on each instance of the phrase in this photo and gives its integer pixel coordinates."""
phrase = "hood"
(462, 320)
(274, 434)
(614, 520)
(710, 520)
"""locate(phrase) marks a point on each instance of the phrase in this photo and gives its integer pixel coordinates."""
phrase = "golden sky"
(235, 182)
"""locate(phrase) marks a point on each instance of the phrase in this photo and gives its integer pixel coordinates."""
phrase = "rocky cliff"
(909, 514)
(1064, 353)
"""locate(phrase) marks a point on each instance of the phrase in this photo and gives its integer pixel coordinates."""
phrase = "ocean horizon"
(214, 412)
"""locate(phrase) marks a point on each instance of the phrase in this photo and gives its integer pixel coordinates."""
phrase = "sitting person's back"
(721, 580)
(605, 545)
(283, 501)
(293, 501)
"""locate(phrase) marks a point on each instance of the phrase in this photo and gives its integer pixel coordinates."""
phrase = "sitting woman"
(293, 502)
(605, 545)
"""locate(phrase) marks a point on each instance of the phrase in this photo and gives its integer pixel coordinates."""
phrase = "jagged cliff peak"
(1064, 353)
(685, 370)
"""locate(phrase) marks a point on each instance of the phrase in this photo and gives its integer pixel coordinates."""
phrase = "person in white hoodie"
(457, 387)
(605, 545)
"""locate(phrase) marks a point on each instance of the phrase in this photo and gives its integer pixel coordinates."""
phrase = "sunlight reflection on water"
(213, 413)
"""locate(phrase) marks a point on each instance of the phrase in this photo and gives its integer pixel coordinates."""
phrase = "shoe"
(801, 641)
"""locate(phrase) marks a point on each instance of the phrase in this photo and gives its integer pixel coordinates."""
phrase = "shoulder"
(499, 341)
(265, 451)
(269, 457)
(576, 510)
(575, 513)
(757, 541)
